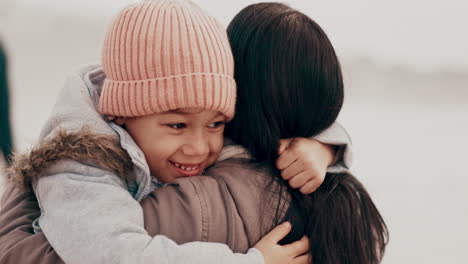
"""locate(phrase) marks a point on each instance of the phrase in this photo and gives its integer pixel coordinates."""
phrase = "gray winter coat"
(97, 175)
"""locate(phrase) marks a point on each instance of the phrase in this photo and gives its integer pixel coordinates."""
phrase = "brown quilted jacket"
(232, 204)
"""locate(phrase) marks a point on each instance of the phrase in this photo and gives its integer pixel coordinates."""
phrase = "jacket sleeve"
(94, 219)
(337, 136)
(18, 243)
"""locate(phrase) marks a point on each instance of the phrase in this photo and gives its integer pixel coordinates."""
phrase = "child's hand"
(303, 162)
(292, 253)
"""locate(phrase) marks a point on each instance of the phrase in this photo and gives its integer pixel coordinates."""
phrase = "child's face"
(179, 143)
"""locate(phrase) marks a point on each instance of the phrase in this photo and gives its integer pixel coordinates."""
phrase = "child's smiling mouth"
(187, 169)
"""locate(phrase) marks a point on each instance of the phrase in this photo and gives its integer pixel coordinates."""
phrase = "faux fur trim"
(84, 146)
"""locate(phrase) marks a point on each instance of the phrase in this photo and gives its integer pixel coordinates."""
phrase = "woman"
(248, 195)
(286, 64)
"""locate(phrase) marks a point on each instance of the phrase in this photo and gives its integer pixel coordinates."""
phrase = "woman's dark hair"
(290, 85)
(6, 144)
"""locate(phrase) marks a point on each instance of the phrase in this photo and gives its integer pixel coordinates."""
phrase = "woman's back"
(227, 205)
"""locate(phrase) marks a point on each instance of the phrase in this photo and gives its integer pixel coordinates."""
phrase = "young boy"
(167, 81)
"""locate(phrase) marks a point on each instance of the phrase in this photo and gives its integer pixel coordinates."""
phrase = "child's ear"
(118, 120)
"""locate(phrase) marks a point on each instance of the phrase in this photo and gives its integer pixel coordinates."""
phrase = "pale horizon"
(421, 35)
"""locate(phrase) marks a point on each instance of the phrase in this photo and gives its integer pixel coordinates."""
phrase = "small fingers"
(299, 180)
(285, 159)
(278, 233)
(292, 170)
(310, 187)
(283, 145)
(299, 247)
(303, 259)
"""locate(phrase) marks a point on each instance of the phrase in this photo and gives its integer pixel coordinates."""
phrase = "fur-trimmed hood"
(84, 146)
(77, 131)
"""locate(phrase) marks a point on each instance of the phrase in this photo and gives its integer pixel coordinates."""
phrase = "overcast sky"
(423, 34)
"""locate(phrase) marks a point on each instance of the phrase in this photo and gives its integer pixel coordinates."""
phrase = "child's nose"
(197, 145)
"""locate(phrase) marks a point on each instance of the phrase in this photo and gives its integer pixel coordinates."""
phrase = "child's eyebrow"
(181, 111)
(218, 115)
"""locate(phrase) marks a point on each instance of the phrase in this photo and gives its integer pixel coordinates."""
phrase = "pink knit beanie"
(161, 55)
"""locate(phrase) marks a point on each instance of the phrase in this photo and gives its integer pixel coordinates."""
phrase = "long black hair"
(6, 142)
(290, 85)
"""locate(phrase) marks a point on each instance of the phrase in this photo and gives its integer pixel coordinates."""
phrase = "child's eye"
(216, 124)
(177, 125)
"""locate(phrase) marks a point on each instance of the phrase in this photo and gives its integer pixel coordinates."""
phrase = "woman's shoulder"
(250, 194)
(241, 171)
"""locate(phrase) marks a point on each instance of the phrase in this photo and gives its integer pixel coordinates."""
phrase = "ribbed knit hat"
(161, 55)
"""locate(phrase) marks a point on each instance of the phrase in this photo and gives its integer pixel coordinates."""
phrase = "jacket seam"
(204, 211)
(230, 217)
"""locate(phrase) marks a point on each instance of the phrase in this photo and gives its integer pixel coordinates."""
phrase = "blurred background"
(406, 75)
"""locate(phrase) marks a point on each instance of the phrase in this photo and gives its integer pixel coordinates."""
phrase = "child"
(169, 83)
